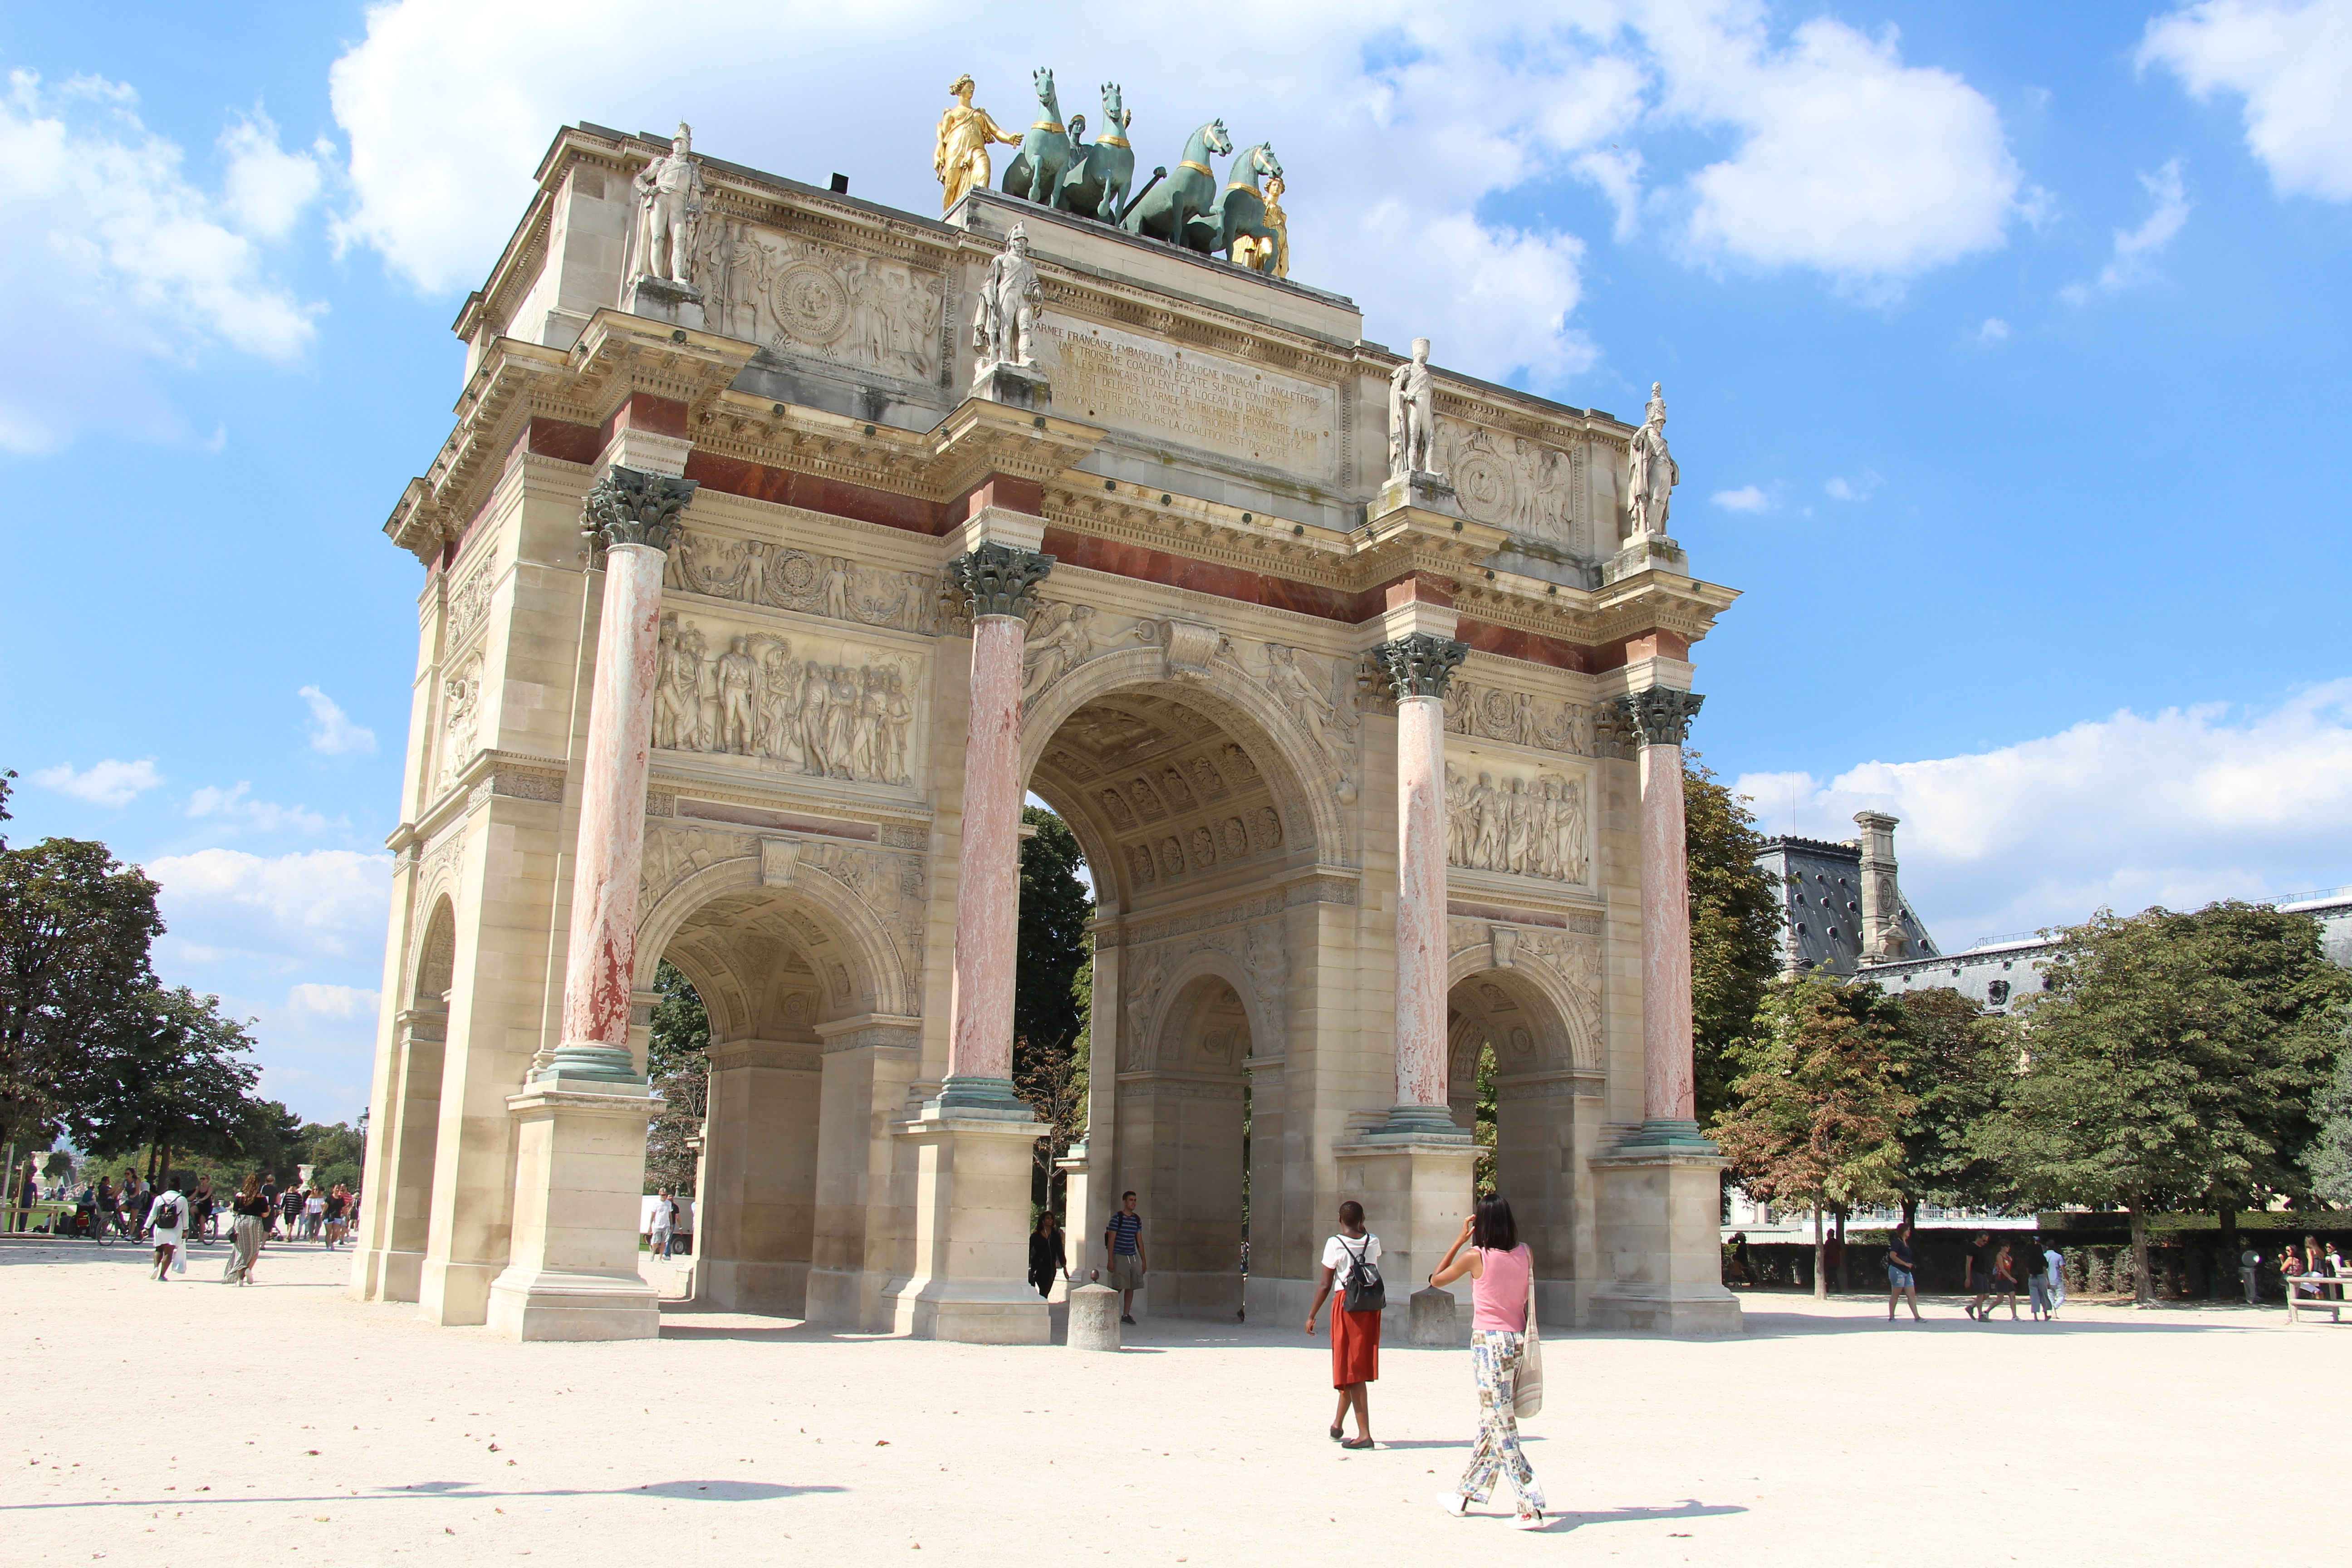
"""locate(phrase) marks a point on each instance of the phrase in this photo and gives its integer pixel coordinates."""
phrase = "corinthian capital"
(1001, 580)
(629, 506)
(1661, 715)
(1420, 665)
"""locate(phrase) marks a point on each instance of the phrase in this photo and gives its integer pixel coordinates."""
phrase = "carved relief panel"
(818, 707)
(1516, 820)
(749, 572)
(820, 301)
(1514, 482)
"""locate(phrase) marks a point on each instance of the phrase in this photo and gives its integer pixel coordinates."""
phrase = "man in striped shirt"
(1123, 1241)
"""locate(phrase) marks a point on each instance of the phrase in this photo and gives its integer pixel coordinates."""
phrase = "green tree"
(1486, 1170)
(680, 1070)
(1816, 1113)
(1735, 915)
(2174, 1061)
(2329, 1163)
(172, 1080)
(1957, 1058)
(1049, 1003)
(75, 928)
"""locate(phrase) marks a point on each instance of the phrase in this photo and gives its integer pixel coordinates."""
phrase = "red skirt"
(1355, 1347)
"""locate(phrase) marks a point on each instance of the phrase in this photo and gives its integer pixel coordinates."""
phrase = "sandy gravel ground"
(189, 1423)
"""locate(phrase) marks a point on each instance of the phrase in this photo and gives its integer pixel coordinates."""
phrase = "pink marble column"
(632, 515)
(1661, 718)
(1420, 667)
(1001, 581)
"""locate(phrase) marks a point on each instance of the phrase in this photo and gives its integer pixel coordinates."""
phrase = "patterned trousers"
(1495, 1361)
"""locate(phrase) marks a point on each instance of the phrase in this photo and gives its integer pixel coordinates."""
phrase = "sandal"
(1357, 1443)
(1337, 1435)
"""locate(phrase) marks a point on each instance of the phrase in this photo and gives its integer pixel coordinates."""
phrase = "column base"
(383, 1274)
(990, 1099)
(1660, 1194)
(971, 1281)
(1415, 1191)
(574, 1304)
(1423, 1123)
(593, 1060)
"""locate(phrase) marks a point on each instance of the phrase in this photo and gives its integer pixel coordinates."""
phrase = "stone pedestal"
(1660, 1211)
(1644, 552)
(1416, 1192)
(659, 300)
(1436, 1321)
(1425, 491)
(1016, 386)
(1094, 1318)
(578, 1179)
(971, 1233)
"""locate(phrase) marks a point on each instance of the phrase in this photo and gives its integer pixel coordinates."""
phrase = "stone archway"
(1184, 1133)
(801, 1050)
(411, 1134)
(1547, 1093)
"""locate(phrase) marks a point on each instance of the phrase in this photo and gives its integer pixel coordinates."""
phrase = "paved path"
(191, 1423)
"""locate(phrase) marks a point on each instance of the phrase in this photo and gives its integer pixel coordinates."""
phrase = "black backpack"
(168, 1217)
(1366, 1291)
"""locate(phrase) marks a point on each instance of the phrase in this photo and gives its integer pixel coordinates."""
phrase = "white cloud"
(2178, 808)
(1746, 498)
(1853, 161)
(1861, 487)
(335, 735)
(237, 804)
(1994, 330)
(2134, 245)
(266, 189)
(120, 268)
(333, 1001)
(110, 782)
(2291, 61)
(281, 912)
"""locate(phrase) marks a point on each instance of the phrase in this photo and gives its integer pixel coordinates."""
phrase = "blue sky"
(2004, 344)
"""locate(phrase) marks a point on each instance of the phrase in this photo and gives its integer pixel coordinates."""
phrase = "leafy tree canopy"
(1734, 913)
(1817, 1110)
(680, 1071)
(1957, 1060)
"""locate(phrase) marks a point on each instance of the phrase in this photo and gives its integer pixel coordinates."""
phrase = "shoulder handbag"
(1527, 1390)
(1367, 1291)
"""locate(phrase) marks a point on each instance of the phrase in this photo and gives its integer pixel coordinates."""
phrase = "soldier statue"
(1651, 471)
(1004, 326)
(1412, 414)
(669, 204)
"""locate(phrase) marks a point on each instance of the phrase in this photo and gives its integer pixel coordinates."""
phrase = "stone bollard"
(1431, 1319)
(1094, 1318)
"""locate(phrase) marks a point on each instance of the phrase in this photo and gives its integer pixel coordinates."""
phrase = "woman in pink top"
(1502, 1271)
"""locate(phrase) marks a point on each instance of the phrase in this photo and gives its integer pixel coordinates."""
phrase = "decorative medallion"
(812, 303)
(1484, 484)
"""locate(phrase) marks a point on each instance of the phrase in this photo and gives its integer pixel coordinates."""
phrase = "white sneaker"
(1529, 1520)
(1454, 1503)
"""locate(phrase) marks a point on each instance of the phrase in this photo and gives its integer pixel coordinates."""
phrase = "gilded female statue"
(960, 158)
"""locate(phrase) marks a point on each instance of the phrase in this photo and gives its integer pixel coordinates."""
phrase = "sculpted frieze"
(461, 708)
(804, 298)
(1494, 712)
(674, 854)
(844, 713)
(749, 572)
(1512, 482)
(469, 605)
(1513, 824)
(1258, 950)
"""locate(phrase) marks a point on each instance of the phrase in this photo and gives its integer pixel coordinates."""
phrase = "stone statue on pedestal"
(960, 157)
(1412, 415)
(669, 207)
(1651, 471)
(1004, 325)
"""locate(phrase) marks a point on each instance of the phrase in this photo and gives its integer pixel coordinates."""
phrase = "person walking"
(2056, 1262)
(2250, 1274)
(1048, 1256)
(339, 1208)
(665, 1229)
(167, 1218)
(1124, 1256)
(1981, 1253)
(248, 1223)
(2037, 1279)
(2004, 1280)
(1502, 1295)
(1902, 1272)
(289, 1210)
(314, 1212)
(1352, 1258)
(201, 1205)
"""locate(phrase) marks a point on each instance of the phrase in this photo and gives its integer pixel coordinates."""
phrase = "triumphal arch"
(784, 540)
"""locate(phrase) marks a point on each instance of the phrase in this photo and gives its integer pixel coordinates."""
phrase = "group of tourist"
(1503, 1361)
(169, 1213)
(2299, 1269)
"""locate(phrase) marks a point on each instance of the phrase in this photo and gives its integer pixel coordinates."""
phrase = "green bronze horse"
(1036, 170)
(1166, 211)
(1099, 176)
(1240, 205)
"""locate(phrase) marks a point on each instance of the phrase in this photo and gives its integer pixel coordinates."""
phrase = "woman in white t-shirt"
(1355, 1336)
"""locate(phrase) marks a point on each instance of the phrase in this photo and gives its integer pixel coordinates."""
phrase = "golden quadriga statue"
(960, 157)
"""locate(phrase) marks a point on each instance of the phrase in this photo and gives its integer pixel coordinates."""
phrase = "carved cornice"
(1420, 665)
(999, 579)
(1661, 716)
